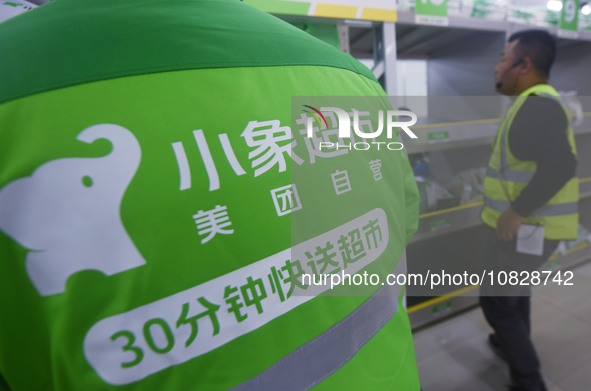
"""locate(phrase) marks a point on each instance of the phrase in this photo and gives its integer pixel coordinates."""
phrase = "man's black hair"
(538, 45)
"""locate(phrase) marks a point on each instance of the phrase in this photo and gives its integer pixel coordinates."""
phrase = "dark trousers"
(507, 310)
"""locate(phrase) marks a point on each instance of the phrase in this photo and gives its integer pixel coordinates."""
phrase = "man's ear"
(526, 65)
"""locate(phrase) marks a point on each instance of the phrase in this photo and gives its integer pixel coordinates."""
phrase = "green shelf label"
(439, 223)
(569, 18)
(441, 307)
(553, 265)
(438, 136)
(431, 12)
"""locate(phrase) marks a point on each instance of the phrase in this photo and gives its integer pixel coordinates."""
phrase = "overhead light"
(554, 5)
(586, 10)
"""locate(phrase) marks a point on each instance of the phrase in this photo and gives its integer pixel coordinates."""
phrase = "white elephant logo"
(67, 213)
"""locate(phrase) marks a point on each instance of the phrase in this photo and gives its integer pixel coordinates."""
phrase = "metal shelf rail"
(408, 17)
(440, 307)
(466, 216)
(460, 134)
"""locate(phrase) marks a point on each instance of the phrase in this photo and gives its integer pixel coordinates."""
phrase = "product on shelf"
(468, 185)
(434, 196)
(572, 102)
(583, 237)
(484, 9)
(535, 15)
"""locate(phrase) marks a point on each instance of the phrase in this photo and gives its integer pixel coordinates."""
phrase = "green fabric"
(157, 217)
(563, 227)
(212, 66)
(284, 7)
(3, 386)
(326, 33)
(68, 42)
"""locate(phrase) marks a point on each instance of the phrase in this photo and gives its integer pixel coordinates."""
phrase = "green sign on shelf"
(438, 136)
(569, 18)
(441, 307)
(281, 7)
(431, 12)
(439, 223)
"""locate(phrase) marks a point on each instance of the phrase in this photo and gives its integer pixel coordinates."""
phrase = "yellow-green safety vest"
(507, 176)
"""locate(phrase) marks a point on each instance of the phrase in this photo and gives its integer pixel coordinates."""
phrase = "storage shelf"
(465, 216)
(408, 17)
(585, 187)
(452, 135)
(448, 220)
(571, 259)
(441, 307)
(462, 134)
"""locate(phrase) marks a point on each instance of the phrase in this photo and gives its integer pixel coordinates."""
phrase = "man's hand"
(508, 224)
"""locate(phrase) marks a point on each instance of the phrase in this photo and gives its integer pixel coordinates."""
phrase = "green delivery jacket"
(159, 205)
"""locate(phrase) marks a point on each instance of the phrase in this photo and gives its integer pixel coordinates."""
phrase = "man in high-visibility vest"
(159, 208)
(531, 195)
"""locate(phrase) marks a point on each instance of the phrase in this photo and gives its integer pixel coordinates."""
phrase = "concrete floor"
(454, 354)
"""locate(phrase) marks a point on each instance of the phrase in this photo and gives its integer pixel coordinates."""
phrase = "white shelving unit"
(460, 58)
